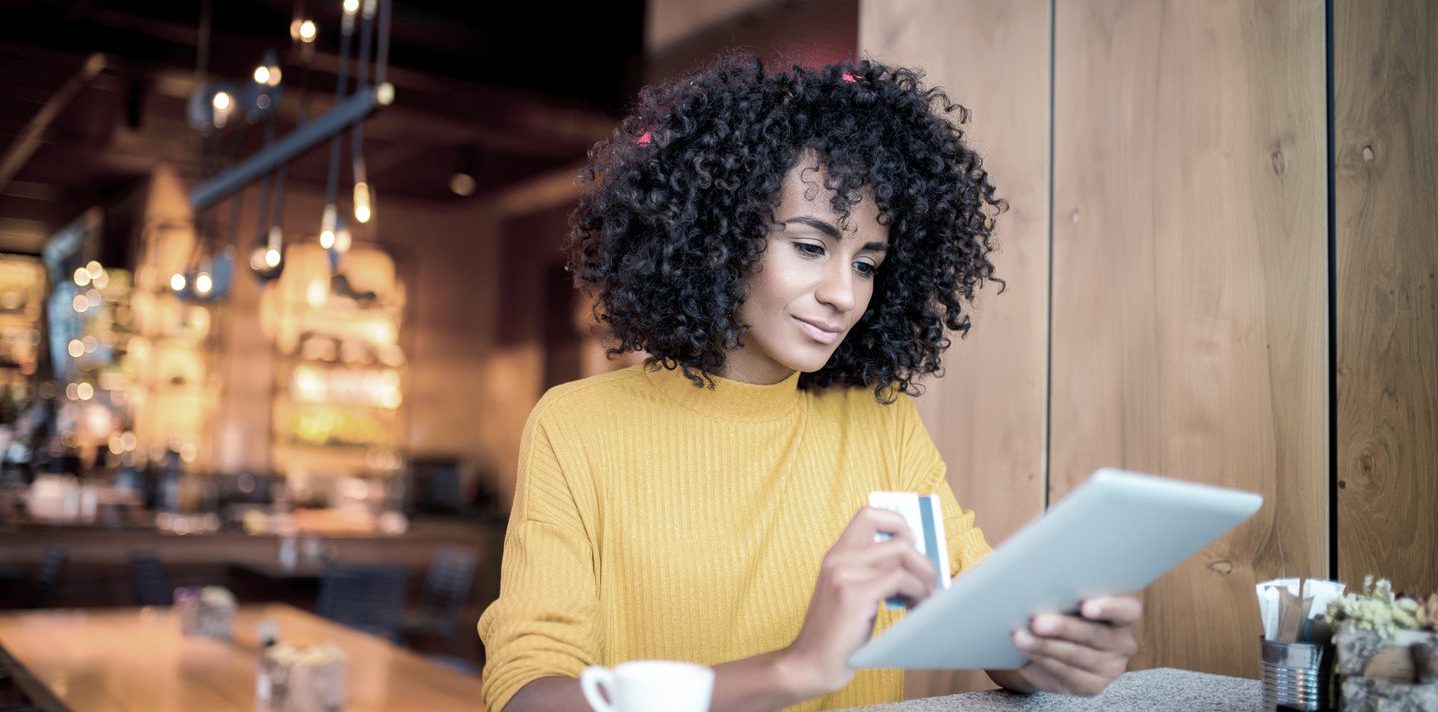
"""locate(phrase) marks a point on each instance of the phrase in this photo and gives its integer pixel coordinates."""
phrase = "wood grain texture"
(1386, 189)
(89, 660)
(987, 413)
(1189, 305)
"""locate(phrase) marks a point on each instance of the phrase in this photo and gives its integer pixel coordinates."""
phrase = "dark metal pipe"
(306, 136)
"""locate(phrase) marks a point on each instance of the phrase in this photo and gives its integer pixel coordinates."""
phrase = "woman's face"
(813, 283)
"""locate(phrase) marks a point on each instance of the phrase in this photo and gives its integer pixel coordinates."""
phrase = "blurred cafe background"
(280, 282)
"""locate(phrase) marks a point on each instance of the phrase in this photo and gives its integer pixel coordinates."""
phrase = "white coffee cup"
(648, 686)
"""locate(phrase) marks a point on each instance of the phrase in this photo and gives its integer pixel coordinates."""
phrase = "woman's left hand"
(1078, 654)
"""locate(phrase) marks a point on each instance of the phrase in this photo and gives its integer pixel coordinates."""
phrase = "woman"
(788, 248)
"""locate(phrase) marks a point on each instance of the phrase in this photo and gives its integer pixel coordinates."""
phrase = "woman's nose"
(837, 289)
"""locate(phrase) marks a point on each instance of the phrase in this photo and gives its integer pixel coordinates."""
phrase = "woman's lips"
(823, 336)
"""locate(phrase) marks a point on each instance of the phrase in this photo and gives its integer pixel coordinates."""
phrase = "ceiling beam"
(462, 112)
(24, 146)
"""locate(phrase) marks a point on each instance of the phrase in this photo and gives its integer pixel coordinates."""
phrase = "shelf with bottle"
(22, 287)
(302, 459)
(331, 350)
(333, 425)
(349, 459)
(322, 384)
(337, 403)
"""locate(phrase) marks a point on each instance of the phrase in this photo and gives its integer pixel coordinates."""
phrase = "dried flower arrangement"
(1382, 611)
(1387, 648)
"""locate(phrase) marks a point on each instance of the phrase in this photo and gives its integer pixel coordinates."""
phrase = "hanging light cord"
(263, 221)
(382, 61)
(361, 74)
(271, 238)
(332, 179)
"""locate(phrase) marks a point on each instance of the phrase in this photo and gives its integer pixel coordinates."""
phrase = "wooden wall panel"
(987, 413)
(1189, 288)
(1386, 187)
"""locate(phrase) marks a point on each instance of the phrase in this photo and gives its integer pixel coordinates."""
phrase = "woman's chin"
(809, 361)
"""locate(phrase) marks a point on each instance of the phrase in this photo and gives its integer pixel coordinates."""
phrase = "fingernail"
(1092, 610)
(1023, 639)
(1044, 625)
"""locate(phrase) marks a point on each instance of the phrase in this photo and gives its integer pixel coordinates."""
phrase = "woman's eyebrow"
(821, 225)
(828, 228)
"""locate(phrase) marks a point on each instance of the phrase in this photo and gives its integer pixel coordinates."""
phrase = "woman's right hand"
(857, 576)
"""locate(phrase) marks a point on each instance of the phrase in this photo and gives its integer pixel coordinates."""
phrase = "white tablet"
(1114, 534)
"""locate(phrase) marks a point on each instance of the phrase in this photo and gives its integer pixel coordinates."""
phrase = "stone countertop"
(1161, 688)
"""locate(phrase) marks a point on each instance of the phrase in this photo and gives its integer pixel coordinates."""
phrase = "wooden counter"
(118, 660)
(96, 572)
(90, 544)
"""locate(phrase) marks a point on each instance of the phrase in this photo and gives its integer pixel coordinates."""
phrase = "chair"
(446, 592)
(47, 576)
(148, 580)
(436, 487)
(367, 598)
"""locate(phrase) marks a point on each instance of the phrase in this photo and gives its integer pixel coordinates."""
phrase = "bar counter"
(119, 660)
(96, 557)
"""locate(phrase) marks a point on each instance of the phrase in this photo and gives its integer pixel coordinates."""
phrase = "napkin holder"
(206, 612)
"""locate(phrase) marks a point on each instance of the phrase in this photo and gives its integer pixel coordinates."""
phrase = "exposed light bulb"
(308, 31)
(343, 239)
(203, 283)
(268, 72)
(267, 259)
(82, 277)
(363, 212)
(94, 269)
(351, 6)
(177, 282)
(462, 184)
(222, 102)
(327, 227)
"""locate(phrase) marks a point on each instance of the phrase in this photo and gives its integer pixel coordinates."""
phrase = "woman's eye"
(866, 268)
(809, 249)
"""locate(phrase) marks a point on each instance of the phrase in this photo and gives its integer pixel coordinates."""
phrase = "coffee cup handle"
(589, 682)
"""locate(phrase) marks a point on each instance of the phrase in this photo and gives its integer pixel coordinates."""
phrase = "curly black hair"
(677, 205)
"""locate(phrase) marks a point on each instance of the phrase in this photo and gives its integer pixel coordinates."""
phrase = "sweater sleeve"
(545, 621)
(924, 470)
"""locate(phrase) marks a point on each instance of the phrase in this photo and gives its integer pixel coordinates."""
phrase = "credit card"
(926, 520)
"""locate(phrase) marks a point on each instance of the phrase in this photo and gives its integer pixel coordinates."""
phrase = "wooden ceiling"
(528, 87)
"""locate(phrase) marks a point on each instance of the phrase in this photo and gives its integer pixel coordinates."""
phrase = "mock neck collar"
(729, 399)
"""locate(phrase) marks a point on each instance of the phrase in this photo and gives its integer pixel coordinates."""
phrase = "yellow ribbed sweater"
(656, 520)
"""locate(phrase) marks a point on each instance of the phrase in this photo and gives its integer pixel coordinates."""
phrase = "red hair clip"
(643, 139)
(850, 78)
